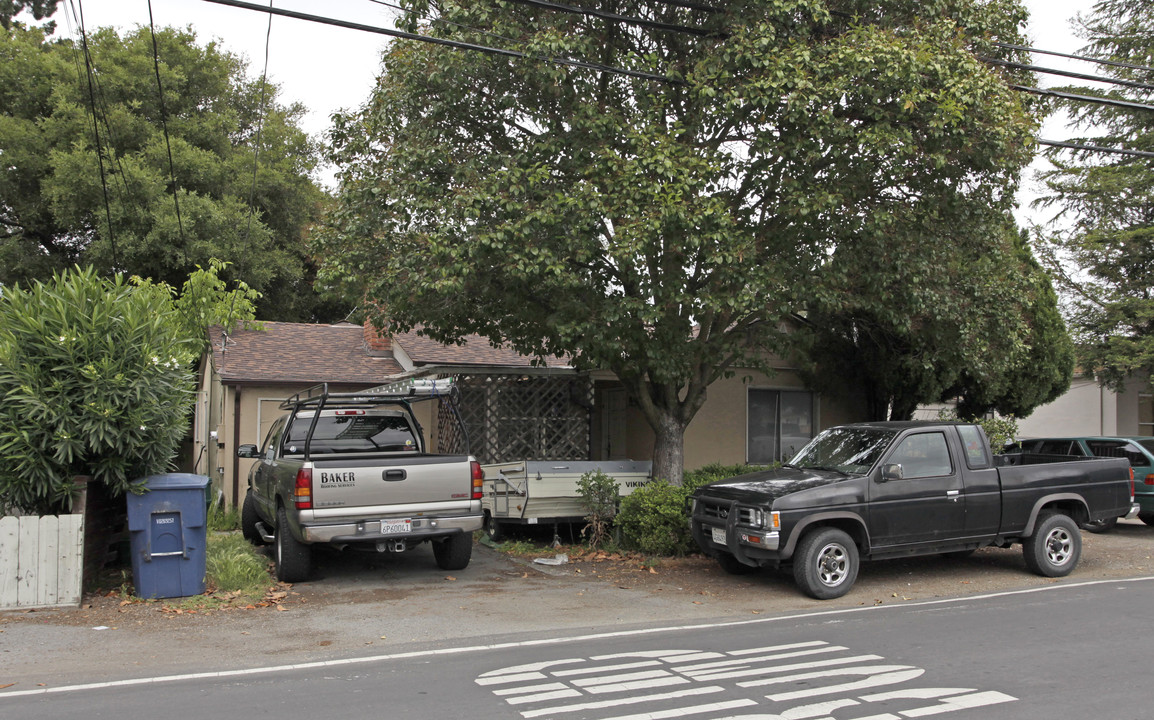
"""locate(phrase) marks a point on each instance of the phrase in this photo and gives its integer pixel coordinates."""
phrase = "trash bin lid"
(176, 481)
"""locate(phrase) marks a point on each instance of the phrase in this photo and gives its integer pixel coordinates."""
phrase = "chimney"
(377, 344)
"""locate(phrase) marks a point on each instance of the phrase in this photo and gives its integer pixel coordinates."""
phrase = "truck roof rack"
(413, 389)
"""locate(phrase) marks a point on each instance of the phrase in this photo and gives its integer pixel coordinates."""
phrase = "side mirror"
(892, 471)
(247, 451)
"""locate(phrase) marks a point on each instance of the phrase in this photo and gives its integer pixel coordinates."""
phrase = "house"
(511, 408)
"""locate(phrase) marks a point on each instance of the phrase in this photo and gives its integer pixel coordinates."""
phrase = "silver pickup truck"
(351, 470)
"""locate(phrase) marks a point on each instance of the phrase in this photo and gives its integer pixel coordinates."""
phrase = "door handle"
(394, 475)
(954, 495)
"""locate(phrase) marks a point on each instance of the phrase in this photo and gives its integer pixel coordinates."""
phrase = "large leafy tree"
(1102, 245)
(87, 176)
(971, 316)
(664, 229)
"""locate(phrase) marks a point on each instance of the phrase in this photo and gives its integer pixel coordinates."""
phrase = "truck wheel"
(293, 558)
(454, 552)
(732, 565)
(248, 521)
(493, 528)
(1054, 548)
(826, 563)
(1100, 526)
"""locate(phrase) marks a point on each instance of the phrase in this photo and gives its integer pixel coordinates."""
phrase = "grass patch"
(234, 567)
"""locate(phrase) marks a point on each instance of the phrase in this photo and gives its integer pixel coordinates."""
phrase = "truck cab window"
(923, 455)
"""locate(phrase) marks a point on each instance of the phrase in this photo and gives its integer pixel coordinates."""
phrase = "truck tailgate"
(401, 481)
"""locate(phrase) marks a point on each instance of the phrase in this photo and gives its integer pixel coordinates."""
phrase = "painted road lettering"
(813, 679)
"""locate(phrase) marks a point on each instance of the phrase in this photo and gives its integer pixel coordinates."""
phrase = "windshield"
(845, 449)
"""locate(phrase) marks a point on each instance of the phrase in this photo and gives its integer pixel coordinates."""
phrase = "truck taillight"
(478, 479)
(303, 489)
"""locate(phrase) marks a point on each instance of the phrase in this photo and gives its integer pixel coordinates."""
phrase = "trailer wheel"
(826, 563)
(493, 528)
(1055, 547)
(293, 558)
(454, 552)
(249, 519)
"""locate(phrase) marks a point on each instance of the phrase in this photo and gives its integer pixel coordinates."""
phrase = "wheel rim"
(832, 565)
(1059, 546)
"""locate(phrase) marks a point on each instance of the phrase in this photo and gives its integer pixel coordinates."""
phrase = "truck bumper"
(370, 530)
(1135, 508)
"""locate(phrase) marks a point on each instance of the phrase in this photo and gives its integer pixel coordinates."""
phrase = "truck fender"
(1055, 499)
(850, 522)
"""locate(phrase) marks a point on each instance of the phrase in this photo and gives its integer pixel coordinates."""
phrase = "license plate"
(718, 535)
(396, 527)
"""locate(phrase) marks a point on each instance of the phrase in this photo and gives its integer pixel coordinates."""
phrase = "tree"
(94, 380)
(969, 316)
(1101, 249)
(39, 9)
(87, 139)
(664, 229)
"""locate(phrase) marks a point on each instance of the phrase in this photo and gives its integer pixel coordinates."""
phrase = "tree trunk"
(669, 448)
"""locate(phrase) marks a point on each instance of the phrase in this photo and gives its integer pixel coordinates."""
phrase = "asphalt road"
(1062, 651)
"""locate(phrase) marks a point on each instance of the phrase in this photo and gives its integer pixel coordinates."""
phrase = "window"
(975, 446)
(1146, 415)
(1059, 447)
(1117, 448)
(780, 423)
(352, 434)
(922, 456)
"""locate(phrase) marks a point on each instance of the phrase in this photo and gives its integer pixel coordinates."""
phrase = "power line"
(164, 127)
(1096, 148)
(1067, 73)
(1111, 63)
(1083, 98)
(447, 43)
(624, 19)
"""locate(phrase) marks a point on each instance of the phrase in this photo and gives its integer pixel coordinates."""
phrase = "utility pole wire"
(1084, 98)
(1111, 63)
(447, 43)
(1096, 148)
(1066, 73)
(623, 19)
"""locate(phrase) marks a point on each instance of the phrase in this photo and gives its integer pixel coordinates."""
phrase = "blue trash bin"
(168, 532)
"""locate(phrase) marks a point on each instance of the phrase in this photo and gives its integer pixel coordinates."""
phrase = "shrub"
(94, 380)
(599, 496)
(1000, 431)
(653, 520)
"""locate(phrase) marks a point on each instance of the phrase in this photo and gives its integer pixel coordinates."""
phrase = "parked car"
(1138, 450)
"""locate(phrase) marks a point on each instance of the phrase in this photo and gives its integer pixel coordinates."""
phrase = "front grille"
(720, 512)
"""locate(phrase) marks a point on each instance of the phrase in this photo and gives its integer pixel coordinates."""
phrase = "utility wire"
(1083, 98)
(447, 43)
(1066, 73)
(624, 19)
(164, 127)
(96, 134)
(1096, 148)
(1112, 63)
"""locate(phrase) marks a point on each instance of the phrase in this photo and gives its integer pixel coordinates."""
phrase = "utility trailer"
(532, 492)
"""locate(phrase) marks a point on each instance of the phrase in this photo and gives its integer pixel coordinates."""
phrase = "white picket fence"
(41, 561)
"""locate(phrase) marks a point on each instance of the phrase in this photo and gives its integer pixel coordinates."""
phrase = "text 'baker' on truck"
(895, 489)
(351, 470)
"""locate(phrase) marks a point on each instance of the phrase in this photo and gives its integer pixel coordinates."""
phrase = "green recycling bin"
(168, 532)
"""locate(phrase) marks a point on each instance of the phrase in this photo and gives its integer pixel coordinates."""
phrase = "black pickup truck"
(895, 489)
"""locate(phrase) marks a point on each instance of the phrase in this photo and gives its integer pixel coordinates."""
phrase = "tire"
(1147, 518)
(248, 521)
(1055, 547)
(454, 552)
(732, 565)
(493, 528)
(826, 563)
(293, 558)
(1100, 526)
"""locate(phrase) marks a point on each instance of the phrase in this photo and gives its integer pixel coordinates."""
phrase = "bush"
(94, 380)
(653, 519)
(599, 495)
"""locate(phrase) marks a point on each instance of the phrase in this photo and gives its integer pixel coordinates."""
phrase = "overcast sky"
(329, 68)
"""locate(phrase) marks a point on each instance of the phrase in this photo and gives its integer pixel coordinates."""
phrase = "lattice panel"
(450, 438)
(526, 418)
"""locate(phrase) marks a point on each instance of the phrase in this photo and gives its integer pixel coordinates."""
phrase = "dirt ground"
(366, 604)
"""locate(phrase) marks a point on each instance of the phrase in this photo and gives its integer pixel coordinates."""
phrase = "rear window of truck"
(352, 434)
